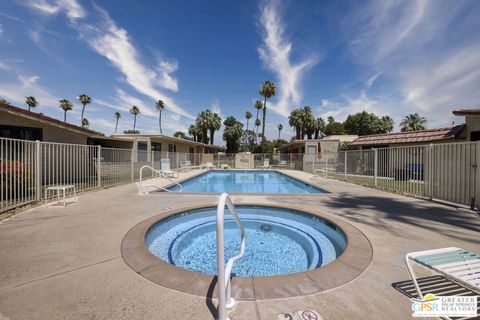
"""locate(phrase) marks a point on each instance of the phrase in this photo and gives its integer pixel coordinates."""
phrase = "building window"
(192, 150)
(156, 146)
(172, 147)
(23, 133)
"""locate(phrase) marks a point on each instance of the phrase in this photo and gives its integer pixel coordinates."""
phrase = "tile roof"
(428, 135)
(43, 118)
(466, 112)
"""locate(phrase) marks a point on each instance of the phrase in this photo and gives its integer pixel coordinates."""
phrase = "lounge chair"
(207, 165)
(281, 165)
(165, 169)
(457, 264)
(187, 165)
(266, 164)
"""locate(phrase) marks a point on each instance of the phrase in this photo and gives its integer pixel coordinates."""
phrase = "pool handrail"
(225, 300)
(161, 175)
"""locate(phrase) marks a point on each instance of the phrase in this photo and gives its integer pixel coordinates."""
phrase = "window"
(24, 133)
(172, 147)
(192, 150)
(156, 146)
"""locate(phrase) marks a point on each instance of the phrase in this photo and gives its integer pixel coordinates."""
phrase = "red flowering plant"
(15, 175)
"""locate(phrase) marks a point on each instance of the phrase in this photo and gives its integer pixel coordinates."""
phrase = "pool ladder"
(225, 300)
(161, 174)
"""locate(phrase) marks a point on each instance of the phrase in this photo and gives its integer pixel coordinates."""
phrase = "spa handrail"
(161, 174)
(225, 300)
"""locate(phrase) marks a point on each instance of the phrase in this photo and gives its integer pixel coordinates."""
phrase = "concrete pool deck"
(60, 263)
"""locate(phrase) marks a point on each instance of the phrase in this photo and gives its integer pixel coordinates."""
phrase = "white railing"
(160, 174)
(225, 300)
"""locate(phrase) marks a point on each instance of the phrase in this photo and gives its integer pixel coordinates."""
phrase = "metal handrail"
(161, 174)
(225, 300)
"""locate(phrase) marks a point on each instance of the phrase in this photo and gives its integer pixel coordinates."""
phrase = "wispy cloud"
(275, 52)
(71, 7)
(28, 85)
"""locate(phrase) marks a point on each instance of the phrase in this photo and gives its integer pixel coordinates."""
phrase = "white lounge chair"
(457, 264)
(281, 165)
(187, 165)
(266, 164)
(207, 165)
(165, 169)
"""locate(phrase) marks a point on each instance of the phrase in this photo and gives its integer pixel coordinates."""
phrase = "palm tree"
(214, 124)
(295, 120)
(413, 122)
(319, 127)
(203, 123)
(257, 124)
(308, 122)
(84, 100)
(279, 127)
(31, 102)
(66, 106)
(180, 135)
(248, 115)
(117, 117)
(135, 111)
(159, 105)
(258, 106)
(192, 131)
(267, 90)
(85, 123)
(232, 135)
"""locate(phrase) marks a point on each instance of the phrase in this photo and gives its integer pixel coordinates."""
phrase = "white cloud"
(114, 43)
(275, 53)
(3, 66)
(35, 36)
(28, 85)
(71, 7)
(1, 29)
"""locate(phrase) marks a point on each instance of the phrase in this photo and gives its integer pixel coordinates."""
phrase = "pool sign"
(299, 315)
(445, 306)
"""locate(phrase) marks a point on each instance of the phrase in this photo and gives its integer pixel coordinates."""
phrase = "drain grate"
(300, 315)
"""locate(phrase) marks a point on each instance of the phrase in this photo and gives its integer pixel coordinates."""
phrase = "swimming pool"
(246, 181)
(279, 241)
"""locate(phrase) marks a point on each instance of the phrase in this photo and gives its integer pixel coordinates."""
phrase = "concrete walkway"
(65, 263)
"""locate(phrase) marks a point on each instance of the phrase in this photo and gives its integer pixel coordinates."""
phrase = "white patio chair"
(165, 169)
(457, 264)
(266, 164)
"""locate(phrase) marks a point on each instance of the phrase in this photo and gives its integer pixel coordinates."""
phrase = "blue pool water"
(279, 241)
(246, 181)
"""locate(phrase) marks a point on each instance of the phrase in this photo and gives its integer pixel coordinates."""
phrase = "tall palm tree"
(135, 111)
(232, 135)
(258, 122)
(413, 122)
(248, 115)
(258, 106)
(31, 102)
(192, 131)
(295, 120)
(203, 123)
(319, 127)
(214, 124)
(159, 105)
(84, 100)
(118, 115)
(66, 106)
(308, 122)
(267, 90)
(85, 123)
(279, 127)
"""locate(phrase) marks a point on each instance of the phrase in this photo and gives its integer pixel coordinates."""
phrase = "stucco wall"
(473, 124)
(50, 133)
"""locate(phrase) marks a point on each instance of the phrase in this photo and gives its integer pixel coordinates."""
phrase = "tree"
(65, 105)
(267, 90)
(333, 127)
(31, 102)
(258, 106)
(258, 122)
(413, 122)
(295, 120)
(203, 123)
(117, 117)
(84, 100)
(85, 123)
(195, 132)
(180, 134)
(214, 124)
(308, 122)
(159, 105)
(135, 111)
(4, 101)
(279, 127)
(248, 115)
(364, 123)
(232, 134)
(319, 128)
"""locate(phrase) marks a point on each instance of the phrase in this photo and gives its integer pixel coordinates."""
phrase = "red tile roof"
(428, 135)
(30, 114)
(467, 112)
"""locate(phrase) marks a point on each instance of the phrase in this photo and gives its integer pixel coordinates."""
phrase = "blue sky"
(339, 57)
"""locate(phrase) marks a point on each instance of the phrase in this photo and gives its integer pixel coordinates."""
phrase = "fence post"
(326, 165)
(99, 165)
(38, 173)
(131, 167)
(375, 166)
(345, 166)
(430, 171)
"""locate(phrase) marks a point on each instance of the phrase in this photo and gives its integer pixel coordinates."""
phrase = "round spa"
(279, 241)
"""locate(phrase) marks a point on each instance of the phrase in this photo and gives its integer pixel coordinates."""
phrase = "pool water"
(279, 241)
(246, 181)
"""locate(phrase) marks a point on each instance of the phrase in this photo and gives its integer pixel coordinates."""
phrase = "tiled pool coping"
(353, 261)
